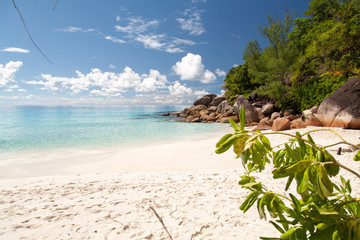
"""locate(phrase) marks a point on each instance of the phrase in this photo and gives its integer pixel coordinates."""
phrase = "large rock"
(224, 106)
(268, 109)
(298, 123)
(281, 124)
(251, 113)
(205, 100)
(217, 100)
(342, 108)
(310, 119)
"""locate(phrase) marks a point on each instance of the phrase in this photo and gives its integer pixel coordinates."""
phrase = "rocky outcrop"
(252, 114)
(211, 108)
(217, 100)
(342, 108)
(224, 106)
(205, 100)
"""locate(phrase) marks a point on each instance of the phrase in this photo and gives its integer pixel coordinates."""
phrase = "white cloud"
(191, 68)
(183, 41)
(195, 1)
(104, 83)
(151, 41)
(220, 73)
(76, 29)
(178, 89)
(137, 26)
(151, 82)
(145, 32)
(15, 49)
(161, 42)
(112, 66)
(117, 18)
(7, 72)
(114, 39)
(192, 22)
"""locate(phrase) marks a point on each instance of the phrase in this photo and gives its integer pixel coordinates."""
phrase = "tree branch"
(27, 31)
(57, 1)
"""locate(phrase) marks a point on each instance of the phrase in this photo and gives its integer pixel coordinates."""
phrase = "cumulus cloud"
(192, 22)
(104, 83)
(191, 68)
(7, 72)
(15, 49)
(220, 73)
(178, 89)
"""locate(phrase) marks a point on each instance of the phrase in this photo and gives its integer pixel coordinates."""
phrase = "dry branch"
(27, 31)
(161, 221)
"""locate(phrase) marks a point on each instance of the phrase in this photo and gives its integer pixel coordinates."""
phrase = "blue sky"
(126, 52)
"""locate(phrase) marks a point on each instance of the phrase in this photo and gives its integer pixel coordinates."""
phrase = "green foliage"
(312, 92)
(301, 51)
(320, 208)
(238, 82)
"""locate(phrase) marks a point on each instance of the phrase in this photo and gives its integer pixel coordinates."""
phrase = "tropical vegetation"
(320, 206)
(307, 58)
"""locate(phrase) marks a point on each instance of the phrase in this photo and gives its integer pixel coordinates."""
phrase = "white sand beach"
(117, 194)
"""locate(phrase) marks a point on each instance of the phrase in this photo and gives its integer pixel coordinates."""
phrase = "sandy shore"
(114, 195)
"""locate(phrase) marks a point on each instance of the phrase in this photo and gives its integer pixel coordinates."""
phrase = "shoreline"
(104, 159)
(197, 195)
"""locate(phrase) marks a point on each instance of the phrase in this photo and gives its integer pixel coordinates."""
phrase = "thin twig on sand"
(161, 221)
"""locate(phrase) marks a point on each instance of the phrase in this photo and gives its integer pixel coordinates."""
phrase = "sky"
(126, 52)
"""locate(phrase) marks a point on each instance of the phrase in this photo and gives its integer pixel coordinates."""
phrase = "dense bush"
(312, 92)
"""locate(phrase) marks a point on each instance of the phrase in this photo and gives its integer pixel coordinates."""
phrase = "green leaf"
(266, 142)
(249, 201)
(298, 167)
(277, 226)
(261, 207)
(357, 156)
(291, 178)
(223, 139)
(304, 182)
(336, 235)
(251, 141)
(323, 225)
(242, 117)
(236, 127)
(296, 203)
(310, 139)
(325, 183)
(239, 146)
(291, 153)
(288, 233)
(227, 144)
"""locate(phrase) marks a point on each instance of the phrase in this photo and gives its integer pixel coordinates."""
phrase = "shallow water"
(39, 129)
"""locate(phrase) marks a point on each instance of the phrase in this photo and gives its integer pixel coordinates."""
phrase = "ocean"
(36, 130)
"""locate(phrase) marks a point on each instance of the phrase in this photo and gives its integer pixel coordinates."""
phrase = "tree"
(238, 82)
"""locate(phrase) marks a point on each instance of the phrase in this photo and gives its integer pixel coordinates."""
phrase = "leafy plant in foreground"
(320, 208)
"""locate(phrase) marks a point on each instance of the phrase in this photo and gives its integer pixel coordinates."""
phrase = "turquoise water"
(57, 128)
